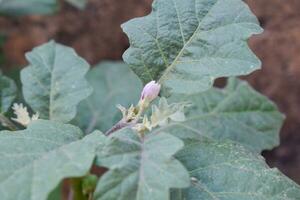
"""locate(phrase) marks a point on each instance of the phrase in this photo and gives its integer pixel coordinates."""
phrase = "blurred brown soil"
(96, 35)
(279, 49)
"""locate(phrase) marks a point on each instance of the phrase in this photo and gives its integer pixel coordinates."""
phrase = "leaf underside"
(35, 160)
(226, 171)
(54, 82)
(140, 169)
(114, 83)
(187, 44)
(237, 112)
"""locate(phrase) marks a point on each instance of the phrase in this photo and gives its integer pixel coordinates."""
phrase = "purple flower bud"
(150, 91)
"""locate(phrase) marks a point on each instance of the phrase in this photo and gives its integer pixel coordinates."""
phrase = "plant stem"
(122, 123)
(76, 184)
(90, 197)
(6, 122)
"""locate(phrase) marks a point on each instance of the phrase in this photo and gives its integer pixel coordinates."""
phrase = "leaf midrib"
(51, 84)
(170, 68)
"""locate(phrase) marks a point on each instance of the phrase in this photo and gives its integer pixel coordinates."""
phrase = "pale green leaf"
(27, 7)
(34, 161)
(54, 82)
(226, 171)
(141, 169)
(8, 92)
(236, 112)
(163, 113)
(114, 83)
(187, 44)
(80, 4)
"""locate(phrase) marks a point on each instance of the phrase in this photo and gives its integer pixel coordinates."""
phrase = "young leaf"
(163, 113)
(222, 171)
(187, 44)
(35, 160)
(236, 112)
(54, 82)
(26, 7)
(8, 92)
(140, 168)
(114, 83)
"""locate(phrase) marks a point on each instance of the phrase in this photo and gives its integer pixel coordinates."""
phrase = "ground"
(96, 35)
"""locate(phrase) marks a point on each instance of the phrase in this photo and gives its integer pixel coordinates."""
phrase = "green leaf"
(56, 194)
(80, 4)
(54, 82)
(27, 7)
(236, 112)
(164, 113)
(140, 168)
(2, 57)
(222, 171)
(8, 92)
(187, 44)
(114, 83)
(34, 161)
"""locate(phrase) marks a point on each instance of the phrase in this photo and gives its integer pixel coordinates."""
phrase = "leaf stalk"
(77, 192)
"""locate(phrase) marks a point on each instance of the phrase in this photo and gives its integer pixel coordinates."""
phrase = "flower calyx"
(22, 115)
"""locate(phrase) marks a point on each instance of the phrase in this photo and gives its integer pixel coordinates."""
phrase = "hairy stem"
(123, 123)
(77, 193)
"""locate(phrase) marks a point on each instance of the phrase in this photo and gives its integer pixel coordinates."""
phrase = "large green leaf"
(35, 160)
(187, 44)
(54, 82)
(226, 171)
(8, 92)
(236, 112)
(27, 7)
(114, 83)
(141, 169)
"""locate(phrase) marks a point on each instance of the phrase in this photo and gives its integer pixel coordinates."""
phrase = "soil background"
(96, 35)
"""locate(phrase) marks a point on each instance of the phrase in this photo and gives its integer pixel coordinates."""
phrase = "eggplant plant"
(154, 124)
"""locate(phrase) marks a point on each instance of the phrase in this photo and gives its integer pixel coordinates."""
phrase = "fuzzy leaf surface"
(27, 7)
(223, 171)
(8, 92)
(54, 82)
(114, 83)
(187, 44)
(34, 161)
(140, 169)
(237, 112)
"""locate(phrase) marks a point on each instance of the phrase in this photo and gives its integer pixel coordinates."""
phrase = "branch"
(121, 124)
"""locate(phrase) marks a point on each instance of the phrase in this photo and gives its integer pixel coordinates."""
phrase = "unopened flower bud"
(150, 91)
